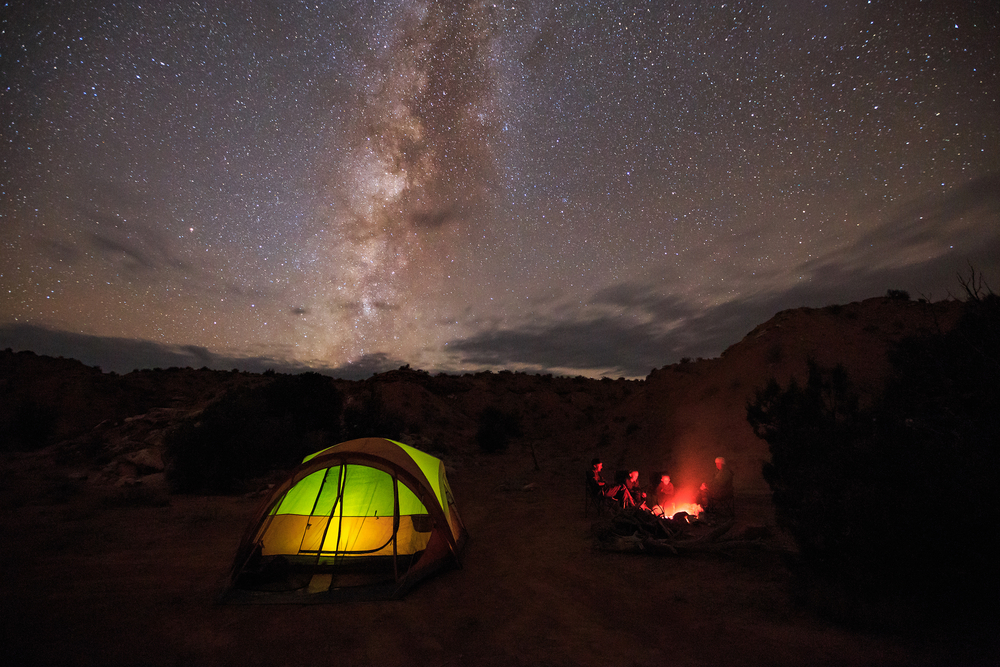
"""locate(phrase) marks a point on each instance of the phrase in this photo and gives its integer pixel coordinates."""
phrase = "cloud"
(640, 326)
(646, 299)
(935, 217)
(620, 345)
(606, 345)
(649, 330)
(964, 220)
(123, 355)
(632, 327)
(59, 251)
(134, 258)
(432, 219)
(116, 229)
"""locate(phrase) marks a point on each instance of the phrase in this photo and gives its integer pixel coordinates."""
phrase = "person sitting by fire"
(717, 496)
(636, 496)
(663, 496)
(602, 494)
(620, 492)
(595, 481)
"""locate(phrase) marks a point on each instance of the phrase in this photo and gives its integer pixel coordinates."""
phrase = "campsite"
(139, 586)
(104, 563)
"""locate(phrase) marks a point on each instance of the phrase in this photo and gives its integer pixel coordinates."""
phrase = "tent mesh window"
(318, 517)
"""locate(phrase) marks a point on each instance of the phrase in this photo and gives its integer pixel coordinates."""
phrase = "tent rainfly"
(365, 519)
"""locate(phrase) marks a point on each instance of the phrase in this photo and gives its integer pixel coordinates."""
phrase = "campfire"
(689, 509)
(685, 507)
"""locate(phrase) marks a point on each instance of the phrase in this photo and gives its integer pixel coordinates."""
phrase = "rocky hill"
(108, 430)
(696, 410)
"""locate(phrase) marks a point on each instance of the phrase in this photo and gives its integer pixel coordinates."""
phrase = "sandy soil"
(83, 582)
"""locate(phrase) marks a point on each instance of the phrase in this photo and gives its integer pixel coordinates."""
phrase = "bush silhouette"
(896, 503)
(251, 432)
(29, 427)
(371, 418)
(496, 429)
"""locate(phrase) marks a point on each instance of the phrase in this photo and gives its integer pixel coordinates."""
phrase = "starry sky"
(590, 187)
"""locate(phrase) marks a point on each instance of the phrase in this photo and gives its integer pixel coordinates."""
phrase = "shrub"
(29, 427)
(775, 353)
(370, 418)
(250, 432)
(896, 504)
(496, 429)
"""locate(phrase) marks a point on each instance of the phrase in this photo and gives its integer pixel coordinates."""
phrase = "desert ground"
(87, 580)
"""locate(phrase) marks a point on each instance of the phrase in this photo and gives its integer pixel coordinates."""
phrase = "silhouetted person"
(595, 481)
(716, 497)
(636, 496)
(663, 494)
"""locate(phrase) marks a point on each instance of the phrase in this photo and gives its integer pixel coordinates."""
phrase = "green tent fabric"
(367, 518)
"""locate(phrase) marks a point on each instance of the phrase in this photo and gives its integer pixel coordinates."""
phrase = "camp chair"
(594, 496)
(619, 495)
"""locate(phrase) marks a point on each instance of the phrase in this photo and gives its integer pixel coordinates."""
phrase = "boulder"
(146, 461)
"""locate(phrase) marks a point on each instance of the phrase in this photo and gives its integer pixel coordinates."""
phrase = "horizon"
(127, 356)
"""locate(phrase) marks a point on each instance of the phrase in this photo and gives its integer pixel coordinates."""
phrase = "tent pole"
(395, 526)
(342, 484)
(336, 502)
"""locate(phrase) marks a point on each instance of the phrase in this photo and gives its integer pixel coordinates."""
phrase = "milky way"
(417, 170)
(594, 187)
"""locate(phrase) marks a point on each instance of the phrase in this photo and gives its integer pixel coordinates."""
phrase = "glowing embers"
(687, 511)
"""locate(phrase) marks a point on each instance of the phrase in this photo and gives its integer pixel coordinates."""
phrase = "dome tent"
(365, 519)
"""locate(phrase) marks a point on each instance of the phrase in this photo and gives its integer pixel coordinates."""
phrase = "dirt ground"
(85, 582)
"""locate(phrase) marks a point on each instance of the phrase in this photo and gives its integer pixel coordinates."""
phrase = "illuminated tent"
(365, 519)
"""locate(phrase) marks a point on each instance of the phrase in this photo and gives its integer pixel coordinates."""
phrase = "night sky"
(595, 188)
